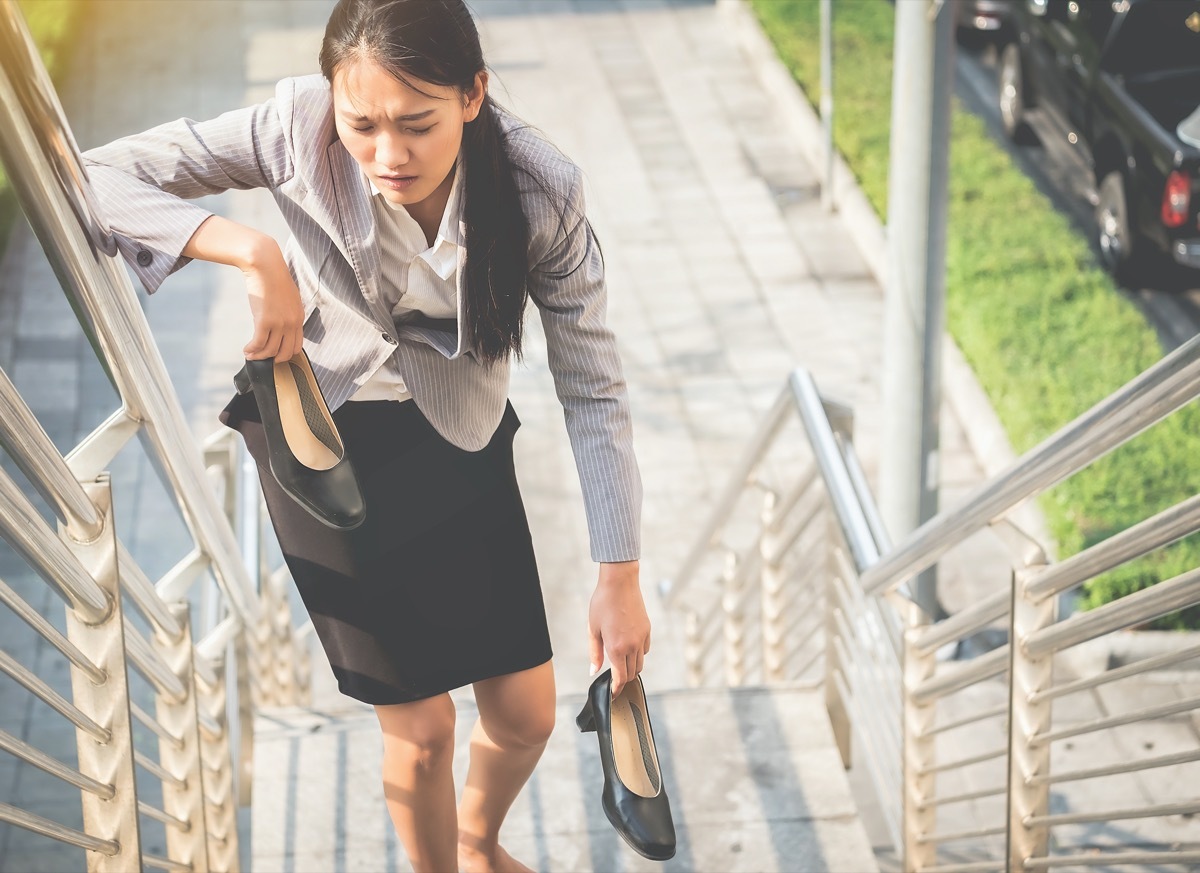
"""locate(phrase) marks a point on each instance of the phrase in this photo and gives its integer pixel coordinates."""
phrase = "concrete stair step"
(754, 778)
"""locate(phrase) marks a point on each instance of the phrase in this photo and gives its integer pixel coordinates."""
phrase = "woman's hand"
(274, 298)
(276, 307)
(618, 624)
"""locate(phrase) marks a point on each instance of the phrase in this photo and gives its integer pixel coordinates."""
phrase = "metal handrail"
(48, 828)
(25, 677)
(51, 184)
(204, 729)
(35, 455)
(50, 634)
(22, 527)
(55, 767)
(1152, 396)
(866, 595)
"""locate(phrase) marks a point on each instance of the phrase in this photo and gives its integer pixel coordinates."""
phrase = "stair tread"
(753, 774)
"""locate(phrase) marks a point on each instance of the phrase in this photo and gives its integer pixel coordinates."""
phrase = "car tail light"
(1177, 195)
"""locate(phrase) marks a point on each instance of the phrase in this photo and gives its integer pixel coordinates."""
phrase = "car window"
(1157, 35)
(1100, 17)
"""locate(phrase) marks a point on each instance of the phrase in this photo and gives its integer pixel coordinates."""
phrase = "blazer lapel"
(458, 280)
(357, 234)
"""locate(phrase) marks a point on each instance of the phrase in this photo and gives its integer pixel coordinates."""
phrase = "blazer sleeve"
(569, 290)
(143, 181)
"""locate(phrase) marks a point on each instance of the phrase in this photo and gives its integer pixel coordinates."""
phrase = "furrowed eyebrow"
(415, 116)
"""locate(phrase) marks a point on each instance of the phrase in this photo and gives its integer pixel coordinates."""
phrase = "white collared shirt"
(414, 276)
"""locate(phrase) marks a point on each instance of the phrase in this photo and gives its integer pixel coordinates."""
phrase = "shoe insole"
(309, 434)
(633, 753)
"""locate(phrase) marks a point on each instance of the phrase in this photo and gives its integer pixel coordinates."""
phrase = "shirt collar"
(451, 229)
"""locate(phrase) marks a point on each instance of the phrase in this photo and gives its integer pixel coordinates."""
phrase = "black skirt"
(439, 586)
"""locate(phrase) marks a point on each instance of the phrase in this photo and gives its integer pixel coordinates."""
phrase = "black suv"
(1120, 81)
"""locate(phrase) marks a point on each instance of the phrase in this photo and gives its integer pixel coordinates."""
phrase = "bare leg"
(516, 718)
(418, 780)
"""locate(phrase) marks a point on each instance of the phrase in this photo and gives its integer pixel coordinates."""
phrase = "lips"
(397, 183)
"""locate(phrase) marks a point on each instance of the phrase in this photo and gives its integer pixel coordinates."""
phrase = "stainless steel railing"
(960, 752)
(200, 675)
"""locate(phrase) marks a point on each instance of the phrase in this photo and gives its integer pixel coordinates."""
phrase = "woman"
(423, 216)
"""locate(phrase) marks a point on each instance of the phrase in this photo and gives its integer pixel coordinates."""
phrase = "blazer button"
(389, 338)
(144, 257)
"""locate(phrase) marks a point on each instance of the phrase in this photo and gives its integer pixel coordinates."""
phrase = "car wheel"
(1012, 93)
(1118, 246)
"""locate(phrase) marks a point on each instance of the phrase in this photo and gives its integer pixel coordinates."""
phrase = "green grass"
(1043, 326)
(51, 23)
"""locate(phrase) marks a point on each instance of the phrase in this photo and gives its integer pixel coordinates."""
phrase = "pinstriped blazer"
(289, 145)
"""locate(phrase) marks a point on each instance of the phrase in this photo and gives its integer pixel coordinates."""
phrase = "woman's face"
(404, 141)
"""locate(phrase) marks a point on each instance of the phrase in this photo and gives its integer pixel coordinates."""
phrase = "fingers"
(292, 344)
(626, 667)
(278, 320)
(620, 675)
(275, 344)
(595, 650)
(297, 343)
(264, 344)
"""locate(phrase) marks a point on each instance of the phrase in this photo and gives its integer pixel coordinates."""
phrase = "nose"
(390, 151)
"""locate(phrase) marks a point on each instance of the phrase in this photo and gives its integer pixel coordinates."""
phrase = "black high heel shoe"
(634, 796)
(307, 456)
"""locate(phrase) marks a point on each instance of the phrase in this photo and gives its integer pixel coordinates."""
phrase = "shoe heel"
(241, 381)
(586, 720)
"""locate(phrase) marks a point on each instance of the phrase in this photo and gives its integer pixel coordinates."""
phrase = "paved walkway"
(319, 802)
(723, 274)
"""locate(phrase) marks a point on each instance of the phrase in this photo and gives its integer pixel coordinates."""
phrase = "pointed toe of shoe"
(645, 823)
(346, 509)
(333, 496)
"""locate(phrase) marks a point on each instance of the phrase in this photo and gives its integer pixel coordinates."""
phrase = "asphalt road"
(1174, 308)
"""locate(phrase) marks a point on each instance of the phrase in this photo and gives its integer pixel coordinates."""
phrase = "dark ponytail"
(497, 263)
(436, 41)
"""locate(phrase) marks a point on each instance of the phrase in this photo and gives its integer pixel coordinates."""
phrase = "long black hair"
(436, 41)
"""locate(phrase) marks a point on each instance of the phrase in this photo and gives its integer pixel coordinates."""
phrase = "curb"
(981, 426)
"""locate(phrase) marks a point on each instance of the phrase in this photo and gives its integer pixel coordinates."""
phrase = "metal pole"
(103, 643)
(914, 316)
(827, 201)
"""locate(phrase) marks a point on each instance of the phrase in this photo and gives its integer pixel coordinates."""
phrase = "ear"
(474, 97)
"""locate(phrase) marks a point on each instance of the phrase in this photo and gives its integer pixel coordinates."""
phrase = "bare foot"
(475, 861)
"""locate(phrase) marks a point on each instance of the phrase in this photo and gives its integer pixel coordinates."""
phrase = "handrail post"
(103, 643)
(919, 748)
(771, 577)
(245, 716)
(735, 620)
(835, 706)
(183, 760)
(220, 801)
(1026, 718)
(283, 651)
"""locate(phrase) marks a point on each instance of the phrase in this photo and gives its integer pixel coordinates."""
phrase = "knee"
(431, 744)
(424, 738)
(531, 730)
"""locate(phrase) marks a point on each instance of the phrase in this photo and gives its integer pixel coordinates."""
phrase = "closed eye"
(413, 130)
